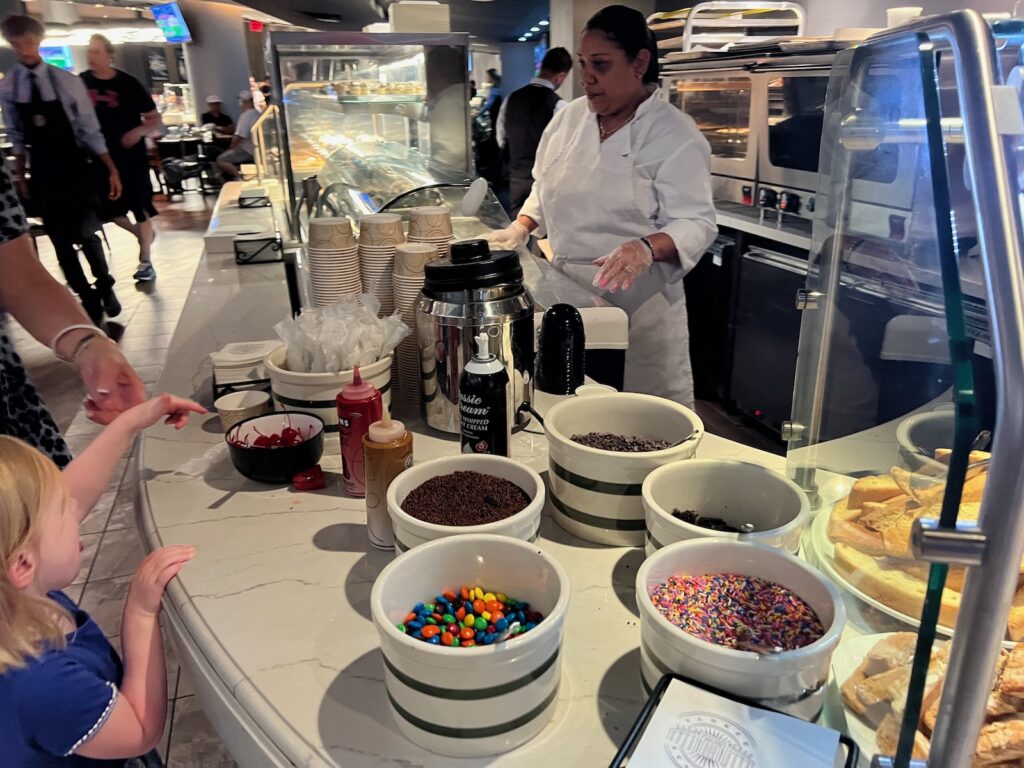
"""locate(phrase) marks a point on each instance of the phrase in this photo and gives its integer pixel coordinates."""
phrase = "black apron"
(63, 175)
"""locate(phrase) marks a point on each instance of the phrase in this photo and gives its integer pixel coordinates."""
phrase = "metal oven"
(722, 104)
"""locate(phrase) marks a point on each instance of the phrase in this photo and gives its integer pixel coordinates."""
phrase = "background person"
(621, 172)
(52, 124)
(523, 117)
(127, 116)
(216, 116)
(241, 150)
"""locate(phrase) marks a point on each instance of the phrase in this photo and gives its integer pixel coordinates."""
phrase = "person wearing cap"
(59, 156)
(217, 117)
(240, 151)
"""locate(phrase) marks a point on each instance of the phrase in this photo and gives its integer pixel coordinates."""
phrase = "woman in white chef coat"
(623, 193)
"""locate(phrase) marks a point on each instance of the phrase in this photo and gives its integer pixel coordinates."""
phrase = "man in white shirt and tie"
(57, 139)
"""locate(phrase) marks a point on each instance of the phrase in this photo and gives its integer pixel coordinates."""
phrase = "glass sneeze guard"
(911, 346)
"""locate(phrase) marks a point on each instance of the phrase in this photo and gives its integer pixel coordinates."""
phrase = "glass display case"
(910, 366)
(179, 108)
(369, 116)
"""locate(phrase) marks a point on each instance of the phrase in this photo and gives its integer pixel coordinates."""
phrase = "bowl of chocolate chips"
(601, 447)
(720, 499)
(468, 493)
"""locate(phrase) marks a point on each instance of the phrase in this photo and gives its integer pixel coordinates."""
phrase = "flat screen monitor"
(170, 21)
(58, 55)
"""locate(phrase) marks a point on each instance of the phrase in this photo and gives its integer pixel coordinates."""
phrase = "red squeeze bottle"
(359, 405)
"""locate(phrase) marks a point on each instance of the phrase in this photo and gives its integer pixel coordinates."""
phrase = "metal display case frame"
(323, 45)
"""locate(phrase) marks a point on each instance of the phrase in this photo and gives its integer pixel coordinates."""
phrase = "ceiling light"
(544, 23)
(522, 39)
(528, 34)
(535, 29)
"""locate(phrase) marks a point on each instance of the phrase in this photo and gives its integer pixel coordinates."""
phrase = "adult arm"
(44, 308)
(682, 187)
(152, 125)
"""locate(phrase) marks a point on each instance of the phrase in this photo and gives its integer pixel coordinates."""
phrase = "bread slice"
(1011, 678)
(889, 582)
(872, 488)
(1001, 741)
(888, 736)
(1015, 622)
(892, 651)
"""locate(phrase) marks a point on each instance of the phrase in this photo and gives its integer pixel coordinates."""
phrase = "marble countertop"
(277, 600)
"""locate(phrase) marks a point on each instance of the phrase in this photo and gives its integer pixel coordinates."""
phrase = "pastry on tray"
(876, 693)
(871, 533)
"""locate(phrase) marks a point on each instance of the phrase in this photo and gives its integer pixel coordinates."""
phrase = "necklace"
(606, 133)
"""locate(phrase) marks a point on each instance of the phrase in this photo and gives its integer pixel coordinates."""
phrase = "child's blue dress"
(56, 702)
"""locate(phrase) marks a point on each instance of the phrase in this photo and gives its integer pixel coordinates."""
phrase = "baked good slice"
(1000, 742)
(872, 488)
(888, 736)
(889, 582)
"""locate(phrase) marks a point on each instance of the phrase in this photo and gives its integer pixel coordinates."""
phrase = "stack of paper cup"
(379, 235)
(410, 259)
(431, 224)
(332, 261)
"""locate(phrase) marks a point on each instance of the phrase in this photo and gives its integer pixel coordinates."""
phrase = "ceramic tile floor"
(113, 548)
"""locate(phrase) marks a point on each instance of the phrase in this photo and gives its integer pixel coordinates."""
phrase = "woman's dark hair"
(494, 76)
(627, 28)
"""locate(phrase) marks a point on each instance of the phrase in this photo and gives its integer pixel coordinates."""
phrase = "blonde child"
(66, 697)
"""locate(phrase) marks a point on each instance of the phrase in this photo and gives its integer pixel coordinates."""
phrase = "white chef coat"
(589, 197)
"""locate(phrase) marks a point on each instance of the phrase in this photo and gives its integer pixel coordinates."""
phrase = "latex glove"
(509, 238)
(111, 383)
(621, 267)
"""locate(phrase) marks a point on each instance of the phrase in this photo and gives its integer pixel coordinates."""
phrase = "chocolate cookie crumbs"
(608, 441)
(465, 498)
(711, 523)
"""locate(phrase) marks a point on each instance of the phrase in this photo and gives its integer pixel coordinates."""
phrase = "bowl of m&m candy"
(744, 618)
(471, 630)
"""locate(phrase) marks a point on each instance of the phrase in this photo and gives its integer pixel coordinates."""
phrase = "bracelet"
(82, 344)
(64, 332)
(650, 246)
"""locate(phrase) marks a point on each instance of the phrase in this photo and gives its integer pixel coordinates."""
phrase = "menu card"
(692, 728)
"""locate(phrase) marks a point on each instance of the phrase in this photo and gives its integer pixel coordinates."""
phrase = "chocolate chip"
(609, 441)
(465, 498)
(711, 523)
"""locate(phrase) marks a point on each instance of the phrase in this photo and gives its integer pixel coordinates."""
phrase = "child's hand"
(152, 577)
(176, 410)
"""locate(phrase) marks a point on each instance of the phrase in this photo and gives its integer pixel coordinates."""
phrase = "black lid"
(472, 265)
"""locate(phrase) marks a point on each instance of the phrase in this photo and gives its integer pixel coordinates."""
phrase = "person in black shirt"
(224, 123)
(127, 115)
(523, 118)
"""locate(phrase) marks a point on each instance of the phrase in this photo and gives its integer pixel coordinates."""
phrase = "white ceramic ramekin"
(735, 491)
(472, 702)
(411, 532)
(791, 681)
(597, 494)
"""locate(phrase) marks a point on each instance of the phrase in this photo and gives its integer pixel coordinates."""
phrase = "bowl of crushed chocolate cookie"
(720, 499)
(600, 450)
(468, 493)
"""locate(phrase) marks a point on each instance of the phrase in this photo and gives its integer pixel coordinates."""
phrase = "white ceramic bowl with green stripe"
(472, 702)
(411, 532)
(596, 494)
(316, 392)
(734, 491)
(791, 681)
